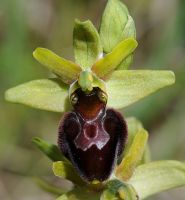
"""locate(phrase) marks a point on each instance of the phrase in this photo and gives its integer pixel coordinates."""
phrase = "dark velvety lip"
(93, 145)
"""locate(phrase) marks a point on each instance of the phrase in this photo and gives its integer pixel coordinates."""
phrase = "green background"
(27, 24)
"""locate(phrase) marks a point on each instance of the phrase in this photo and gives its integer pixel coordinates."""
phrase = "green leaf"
(80, 193)
(158, 176)
(107, 64)
(50, 150)
(130, 161)
(48, 187)
(134, 85)
(65, 170)
(117, 190)
(65, 69)
(113, 23)
(87, 44)
(45, 94)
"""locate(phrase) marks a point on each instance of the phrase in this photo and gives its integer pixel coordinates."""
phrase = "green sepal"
(44, 94)
(52, 94)
(50, 150)
(158, 176)
(109, 62)
(130, 29)
(87, 44)
(130, 161)
(65, 170)
(65, 69)
(117, 25)
(117, 190)
(129, 32)
(113, 23)
(49, 187)
(134, 85)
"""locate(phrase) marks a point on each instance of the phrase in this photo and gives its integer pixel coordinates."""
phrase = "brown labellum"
(92, 136)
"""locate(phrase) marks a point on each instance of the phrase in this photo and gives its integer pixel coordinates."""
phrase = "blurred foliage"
(25, 25)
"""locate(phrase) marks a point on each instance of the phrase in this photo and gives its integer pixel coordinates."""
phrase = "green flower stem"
(48, 187)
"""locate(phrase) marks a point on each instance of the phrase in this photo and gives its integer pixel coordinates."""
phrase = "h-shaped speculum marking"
(92, 133)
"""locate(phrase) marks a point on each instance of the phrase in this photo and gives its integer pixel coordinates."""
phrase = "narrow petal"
(109, 63)
(65, 69)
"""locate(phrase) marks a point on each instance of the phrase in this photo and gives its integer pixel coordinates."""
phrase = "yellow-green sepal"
(134, 85)
(44, 94)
